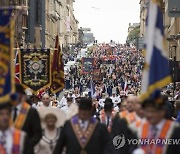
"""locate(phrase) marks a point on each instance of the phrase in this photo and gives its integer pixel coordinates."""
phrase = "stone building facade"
(39, 21)
(171, 28)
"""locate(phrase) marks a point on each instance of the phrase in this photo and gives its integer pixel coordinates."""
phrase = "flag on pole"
(57, 69)
(92, 89)
(16, 61)
(156, 72)
(126, 88)
(7, 86)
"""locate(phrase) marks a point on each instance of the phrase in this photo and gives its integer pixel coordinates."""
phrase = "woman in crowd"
(52, 119)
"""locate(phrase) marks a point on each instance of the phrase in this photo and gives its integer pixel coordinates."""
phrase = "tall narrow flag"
(16, 61)
(7, 85)
(57, 69)
(156, 72)
(126, 88)
(92, 89)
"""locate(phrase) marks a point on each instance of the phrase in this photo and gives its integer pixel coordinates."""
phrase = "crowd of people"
(116, 66)
(101, 115)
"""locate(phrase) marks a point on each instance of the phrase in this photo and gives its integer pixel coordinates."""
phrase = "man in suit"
(121, 125)
(25, 118)
(83, 134)
(107, 114)
(11, 140)
(158, 128)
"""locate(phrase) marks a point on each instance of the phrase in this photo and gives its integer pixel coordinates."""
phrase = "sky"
(108, 19)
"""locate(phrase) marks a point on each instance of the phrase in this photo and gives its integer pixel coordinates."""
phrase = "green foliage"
(133, 35)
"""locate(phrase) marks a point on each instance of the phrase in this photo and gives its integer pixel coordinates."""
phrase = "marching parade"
(88, 98)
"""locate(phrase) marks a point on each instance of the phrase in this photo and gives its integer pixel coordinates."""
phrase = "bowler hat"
(85, 103)
(5, 105)
(108, 106)
(107, 100)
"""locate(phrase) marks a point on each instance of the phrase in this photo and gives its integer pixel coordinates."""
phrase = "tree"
(133, 35)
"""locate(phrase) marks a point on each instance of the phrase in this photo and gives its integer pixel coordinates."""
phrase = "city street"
(89, 77)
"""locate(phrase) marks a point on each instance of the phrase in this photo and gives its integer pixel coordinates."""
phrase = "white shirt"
(101, 102)
(35, 106)
(18, 107)
(63, 102)
(159, 127)
(83, 124)
(8, 139)
(65, 109)
(116, 109)
(115, 100)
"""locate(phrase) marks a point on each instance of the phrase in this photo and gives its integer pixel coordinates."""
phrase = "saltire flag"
(156, 72)
(7, 86)
(16, 61)
(57, 69)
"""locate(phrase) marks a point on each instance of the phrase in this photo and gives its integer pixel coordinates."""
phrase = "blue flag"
(7, 86)
(156, 72)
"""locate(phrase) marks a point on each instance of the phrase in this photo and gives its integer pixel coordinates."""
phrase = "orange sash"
(145, 132)
(2, 150)
(131, 117)
(16, 143)
(20, 120)
(103, 118)
(138, 123)
(123, 114)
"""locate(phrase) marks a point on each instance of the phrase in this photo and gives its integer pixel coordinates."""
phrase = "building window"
(38, 12)
(24, 21)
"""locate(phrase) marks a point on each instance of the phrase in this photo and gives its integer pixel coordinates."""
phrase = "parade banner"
(87, 65)
(58, 82)
(35, 65)
(7, 85)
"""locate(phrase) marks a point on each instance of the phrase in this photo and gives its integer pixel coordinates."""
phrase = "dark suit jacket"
(32, 127)
(27, 149)
(100, 142)
(174, 148)
(120, 127)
